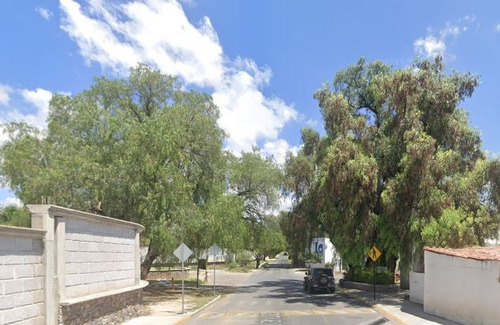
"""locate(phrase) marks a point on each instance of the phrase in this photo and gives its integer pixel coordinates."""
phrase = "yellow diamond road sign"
(374, 253)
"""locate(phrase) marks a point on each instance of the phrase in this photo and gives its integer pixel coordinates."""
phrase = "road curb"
(379, 308)
(187, 317)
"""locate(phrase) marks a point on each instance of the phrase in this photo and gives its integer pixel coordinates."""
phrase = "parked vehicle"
(319, 279)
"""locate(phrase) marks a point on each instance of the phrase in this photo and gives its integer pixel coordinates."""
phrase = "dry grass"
(193, 298)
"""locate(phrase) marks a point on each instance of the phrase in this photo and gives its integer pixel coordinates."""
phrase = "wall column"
(41, 219)
(60, 256)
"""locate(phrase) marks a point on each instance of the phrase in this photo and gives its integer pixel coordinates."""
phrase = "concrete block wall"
(21, 276)
(70, 260)
(98, 257)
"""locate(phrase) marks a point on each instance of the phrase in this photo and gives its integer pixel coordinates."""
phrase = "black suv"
(319, 279)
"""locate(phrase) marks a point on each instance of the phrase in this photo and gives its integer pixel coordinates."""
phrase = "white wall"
(21, 276)
(98, 257)
(417, 281)
(463, 290)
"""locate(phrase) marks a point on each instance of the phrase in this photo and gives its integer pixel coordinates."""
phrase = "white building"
(328, 253)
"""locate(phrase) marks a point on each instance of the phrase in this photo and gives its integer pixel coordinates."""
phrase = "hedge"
(366, 276)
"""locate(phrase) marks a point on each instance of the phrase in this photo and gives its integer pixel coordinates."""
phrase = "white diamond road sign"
(215, 250)
(183, 252)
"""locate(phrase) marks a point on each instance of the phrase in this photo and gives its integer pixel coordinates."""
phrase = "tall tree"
(140, 149)
(302, 224)
(257, 180)
(400, 166)
(265, 238)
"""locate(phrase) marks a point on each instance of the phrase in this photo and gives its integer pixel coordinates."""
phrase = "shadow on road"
(291, 291)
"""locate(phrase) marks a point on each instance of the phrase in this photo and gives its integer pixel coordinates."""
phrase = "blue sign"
(318, 248)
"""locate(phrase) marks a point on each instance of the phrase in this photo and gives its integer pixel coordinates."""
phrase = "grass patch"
(201, 297)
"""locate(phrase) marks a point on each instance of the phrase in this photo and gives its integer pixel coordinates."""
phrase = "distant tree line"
(399, 167)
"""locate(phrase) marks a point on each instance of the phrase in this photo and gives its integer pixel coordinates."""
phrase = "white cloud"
(45, 13)
(10, 201)
(159, 33)
(4, 94)
(38, 98)
(312, 123)
(38, 102)
(468, 18)
(497, 28)
(96, 39)
(3, 137)
(432, 45)
(450, 30)
(279, 149)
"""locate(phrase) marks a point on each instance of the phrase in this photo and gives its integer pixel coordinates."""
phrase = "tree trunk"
(417, 261)
(295, 258)
(404, 276)
(257, 262)
(405, 265)
(391, 263)
(148, 262)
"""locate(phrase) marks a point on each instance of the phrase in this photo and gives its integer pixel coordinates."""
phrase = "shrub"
(244, 258)
(310, 258)
(232, 265)
(366, 276)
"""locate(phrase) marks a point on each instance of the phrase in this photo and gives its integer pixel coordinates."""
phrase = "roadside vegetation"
(145, 150)
(399, 167)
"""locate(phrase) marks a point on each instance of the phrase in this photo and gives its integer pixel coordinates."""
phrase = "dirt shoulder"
(164, 299)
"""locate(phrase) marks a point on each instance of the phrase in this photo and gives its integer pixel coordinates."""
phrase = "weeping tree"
(140, 149)
(399, 166)
(257, 181)
(301, 224)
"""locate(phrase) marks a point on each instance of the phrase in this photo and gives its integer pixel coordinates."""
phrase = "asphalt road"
(276, 296)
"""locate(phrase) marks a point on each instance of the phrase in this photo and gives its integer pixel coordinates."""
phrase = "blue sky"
(260, 60)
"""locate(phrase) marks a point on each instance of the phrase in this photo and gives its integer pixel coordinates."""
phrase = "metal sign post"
(214, 250)
(374, 255)
(374, 282)
(182, 252)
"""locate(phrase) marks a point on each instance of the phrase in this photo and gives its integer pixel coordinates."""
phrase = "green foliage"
(310, 258)
(232, 265)
(365, 275)
(265, 238)
(244, 258)
(139, 149)
(399, 166)
(257, 180)
(454, 228)
(15, 216)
